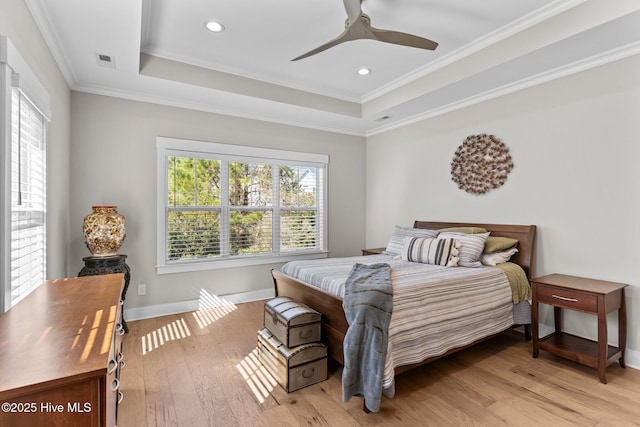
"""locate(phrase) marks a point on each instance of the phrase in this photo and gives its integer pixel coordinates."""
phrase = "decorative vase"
(104, 230)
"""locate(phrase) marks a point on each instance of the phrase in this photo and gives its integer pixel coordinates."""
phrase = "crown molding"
(222, 68)
(50, 36)
(535, 80)
(477, 45)
(210, 108)
(547, 76)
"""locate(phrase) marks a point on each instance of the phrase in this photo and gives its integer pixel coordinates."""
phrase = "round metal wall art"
(481, 163)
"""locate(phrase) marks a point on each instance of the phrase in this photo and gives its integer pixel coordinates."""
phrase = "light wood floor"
(199, 369)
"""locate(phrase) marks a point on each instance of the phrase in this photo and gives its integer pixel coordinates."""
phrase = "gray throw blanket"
(367, 303)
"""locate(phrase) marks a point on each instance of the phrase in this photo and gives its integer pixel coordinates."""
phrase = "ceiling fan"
(358, 26)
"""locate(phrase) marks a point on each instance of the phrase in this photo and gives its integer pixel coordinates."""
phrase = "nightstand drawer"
(567, 299)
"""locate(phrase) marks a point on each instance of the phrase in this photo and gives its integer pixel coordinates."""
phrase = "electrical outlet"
(142, 289)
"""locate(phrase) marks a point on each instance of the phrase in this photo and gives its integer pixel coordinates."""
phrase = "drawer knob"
(120, 329)
(564, 298)
(305, 375)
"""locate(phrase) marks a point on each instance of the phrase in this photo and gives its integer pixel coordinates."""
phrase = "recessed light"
(214, 27)
(364, 71)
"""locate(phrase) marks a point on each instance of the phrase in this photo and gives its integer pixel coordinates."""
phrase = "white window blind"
(23, 135)
(28, 197)
(223, 205)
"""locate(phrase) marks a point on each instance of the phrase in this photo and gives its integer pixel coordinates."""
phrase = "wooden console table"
(588, 296)
(60, 354)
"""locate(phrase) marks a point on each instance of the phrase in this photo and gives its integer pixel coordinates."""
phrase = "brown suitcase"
(292, 322)
(292, 368)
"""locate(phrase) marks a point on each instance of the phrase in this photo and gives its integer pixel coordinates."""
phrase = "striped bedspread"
(435, 308)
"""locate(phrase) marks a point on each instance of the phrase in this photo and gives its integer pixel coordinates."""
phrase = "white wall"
(575, 144)
(17, 24)
(113, 162)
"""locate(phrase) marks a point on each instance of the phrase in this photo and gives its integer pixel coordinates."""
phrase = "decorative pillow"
(498, 257)
(431, 251)
(499, 244)
(394, 247)
(466, 230)
(472, 246)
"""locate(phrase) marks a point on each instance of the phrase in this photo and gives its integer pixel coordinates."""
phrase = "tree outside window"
(221, 208)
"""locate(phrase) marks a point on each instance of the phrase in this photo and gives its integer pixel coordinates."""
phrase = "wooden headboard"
(525, 234)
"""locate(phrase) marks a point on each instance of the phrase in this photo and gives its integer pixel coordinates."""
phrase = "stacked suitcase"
(289, 345)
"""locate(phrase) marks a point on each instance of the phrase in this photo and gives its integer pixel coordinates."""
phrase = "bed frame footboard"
(334, 322)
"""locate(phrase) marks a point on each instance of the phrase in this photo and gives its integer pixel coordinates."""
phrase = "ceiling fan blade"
(358, 27)
(344, 37)
(403, 39)
(354, 10)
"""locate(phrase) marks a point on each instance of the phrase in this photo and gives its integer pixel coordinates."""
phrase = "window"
(23, 168)
(222, 205)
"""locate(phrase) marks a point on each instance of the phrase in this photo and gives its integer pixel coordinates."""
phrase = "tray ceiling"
(160, 51)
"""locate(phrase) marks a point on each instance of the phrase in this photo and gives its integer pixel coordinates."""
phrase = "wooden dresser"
(60, 354)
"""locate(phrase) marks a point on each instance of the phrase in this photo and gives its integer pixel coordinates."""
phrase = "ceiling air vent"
(382, 119)
(107, 61)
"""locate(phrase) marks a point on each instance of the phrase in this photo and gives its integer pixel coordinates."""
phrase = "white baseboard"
(138, 313)
(632, 359)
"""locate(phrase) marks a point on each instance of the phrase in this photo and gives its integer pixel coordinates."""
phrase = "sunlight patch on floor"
(257, 377)
(175, 330)
(211, 308)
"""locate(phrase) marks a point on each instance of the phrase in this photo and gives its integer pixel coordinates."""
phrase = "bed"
(328, 301)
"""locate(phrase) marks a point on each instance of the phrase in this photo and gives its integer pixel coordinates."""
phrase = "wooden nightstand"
(372, 251)
(588, 296)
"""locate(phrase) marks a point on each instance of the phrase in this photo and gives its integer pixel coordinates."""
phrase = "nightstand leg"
(534, 329)
(602, 340)
(622, 328)
(557, 319)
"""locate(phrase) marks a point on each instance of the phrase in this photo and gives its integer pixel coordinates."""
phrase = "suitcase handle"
(304, 371)
(307, 335)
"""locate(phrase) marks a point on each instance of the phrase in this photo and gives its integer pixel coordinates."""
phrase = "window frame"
(166, 147)
(15, 73)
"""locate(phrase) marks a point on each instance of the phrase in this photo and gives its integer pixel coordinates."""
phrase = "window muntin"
(223, 208)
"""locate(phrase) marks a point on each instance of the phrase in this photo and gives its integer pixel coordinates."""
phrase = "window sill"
(188, 266)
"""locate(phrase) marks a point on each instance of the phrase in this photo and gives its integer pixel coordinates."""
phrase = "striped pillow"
(431, 251)
(394, 247)
(472, 247)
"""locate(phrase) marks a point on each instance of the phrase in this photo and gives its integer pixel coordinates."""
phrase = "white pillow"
(425, 250)
(396, 242)
(472, 247)
(498, 257)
